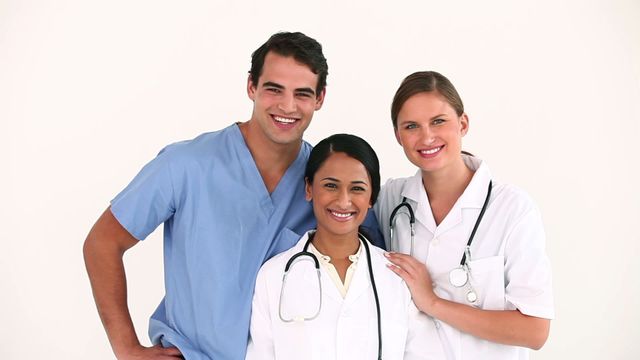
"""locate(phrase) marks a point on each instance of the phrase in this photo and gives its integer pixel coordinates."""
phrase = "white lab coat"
(345, 329)
(509, 267)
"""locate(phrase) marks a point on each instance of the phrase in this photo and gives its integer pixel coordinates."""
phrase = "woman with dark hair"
(471, 249)
(337, 299)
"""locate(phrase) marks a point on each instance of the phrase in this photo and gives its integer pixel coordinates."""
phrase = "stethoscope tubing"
(475, 226)
(375, 295)
(306, 253)
(412, 220)
(466, 254)
(463, 261)
(287, 267)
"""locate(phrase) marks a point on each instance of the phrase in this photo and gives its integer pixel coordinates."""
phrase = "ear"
(251, 88)
(307, 190)
(464, 124)
(320, 99)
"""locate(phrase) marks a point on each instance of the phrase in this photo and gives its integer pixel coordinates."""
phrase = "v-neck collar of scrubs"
(472, 198)
(268, 201)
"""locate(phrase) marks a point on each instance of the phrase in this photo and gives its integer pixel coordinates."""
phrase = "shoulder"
(203, 144)
(276, 264)
(394, 185)
(377, 255)
(306, 148)
(512, 199)
(393, 188)
(379, 263)
(391, 194)
(504, 196)
(218, 148)
(391, 288)
(305, 152)
(517, 217)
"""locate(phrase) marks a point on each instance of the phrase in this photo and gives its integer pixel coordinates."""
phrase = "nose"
(427, 135)
(287, 103)
(344, 199)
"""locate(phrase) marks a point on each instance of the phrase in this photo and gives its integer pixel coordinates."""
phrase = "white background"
(91, 90)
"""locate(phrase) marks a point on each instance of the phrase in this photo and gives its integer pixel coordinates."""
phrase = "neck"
(336, 246)
(445, 186)
(272, 159)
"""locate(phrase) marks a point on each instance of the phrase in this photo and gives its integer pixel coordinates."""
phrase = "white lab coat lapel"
(452, 219)
(414, 192)
(328, 287)
(360, 283)
(472, 198)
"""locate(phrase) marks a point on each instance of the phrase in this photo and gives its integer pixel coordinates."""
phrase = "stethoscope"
(459, 276)
(308, 256)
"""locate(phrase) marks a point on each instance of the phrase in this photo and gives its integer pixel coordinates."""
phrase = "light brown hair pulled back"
(425, 81)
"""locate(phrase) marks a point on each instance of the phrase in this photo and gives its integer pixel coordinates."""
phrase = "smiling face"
(341, 195)
(431, 132)
(284, 99)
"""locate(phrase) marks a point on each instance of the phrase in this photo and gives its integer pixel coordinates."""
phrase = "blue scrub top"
(220, 225)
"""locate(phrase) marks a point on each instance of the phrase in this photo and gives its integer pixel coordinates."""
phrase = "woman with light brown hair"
(470, 248)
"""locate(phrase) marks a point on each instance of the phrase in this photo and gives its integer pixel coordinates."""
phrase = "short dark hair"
(425, 81)
(298, 45)
(354, 147)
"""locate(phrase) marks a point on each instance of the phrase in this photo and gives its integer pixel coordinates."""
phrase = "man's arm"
(103, 251)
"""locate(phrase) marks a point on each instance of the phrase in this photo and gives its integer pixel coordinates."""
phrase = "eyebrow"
(353, 182)
(432, 118)
(276, 85)
(437, 116)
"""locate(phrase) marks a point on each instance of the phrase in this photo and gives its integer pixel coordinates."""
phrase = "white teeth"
(341, 215)
(432, 151)
(284, 120)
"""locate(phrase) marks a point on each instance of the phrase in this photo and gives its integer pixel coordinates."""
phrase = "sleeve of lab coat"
(527, 267)
(261, 344)
(385, 203)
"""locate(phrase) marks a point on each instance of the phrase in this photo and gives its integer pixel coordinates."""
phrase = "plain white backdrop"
(92, 90)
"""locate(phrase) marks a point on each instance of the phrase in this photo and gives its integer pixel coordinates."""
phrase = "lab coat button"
(435, 241)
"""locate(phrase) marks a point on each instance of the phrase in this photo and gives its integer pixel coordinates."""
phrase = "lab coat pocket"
(487, 279)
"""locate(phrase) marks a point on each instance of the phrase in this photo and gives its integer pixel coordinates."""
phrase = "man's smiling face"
(284, 99)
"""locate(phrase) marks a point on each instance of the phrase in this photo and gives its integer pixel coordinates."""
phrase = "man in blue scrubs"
(229, 200)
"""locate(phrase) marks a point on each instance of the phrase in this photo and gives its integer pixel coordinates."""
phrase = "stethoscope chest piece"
(472, 296)
(458, 277)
